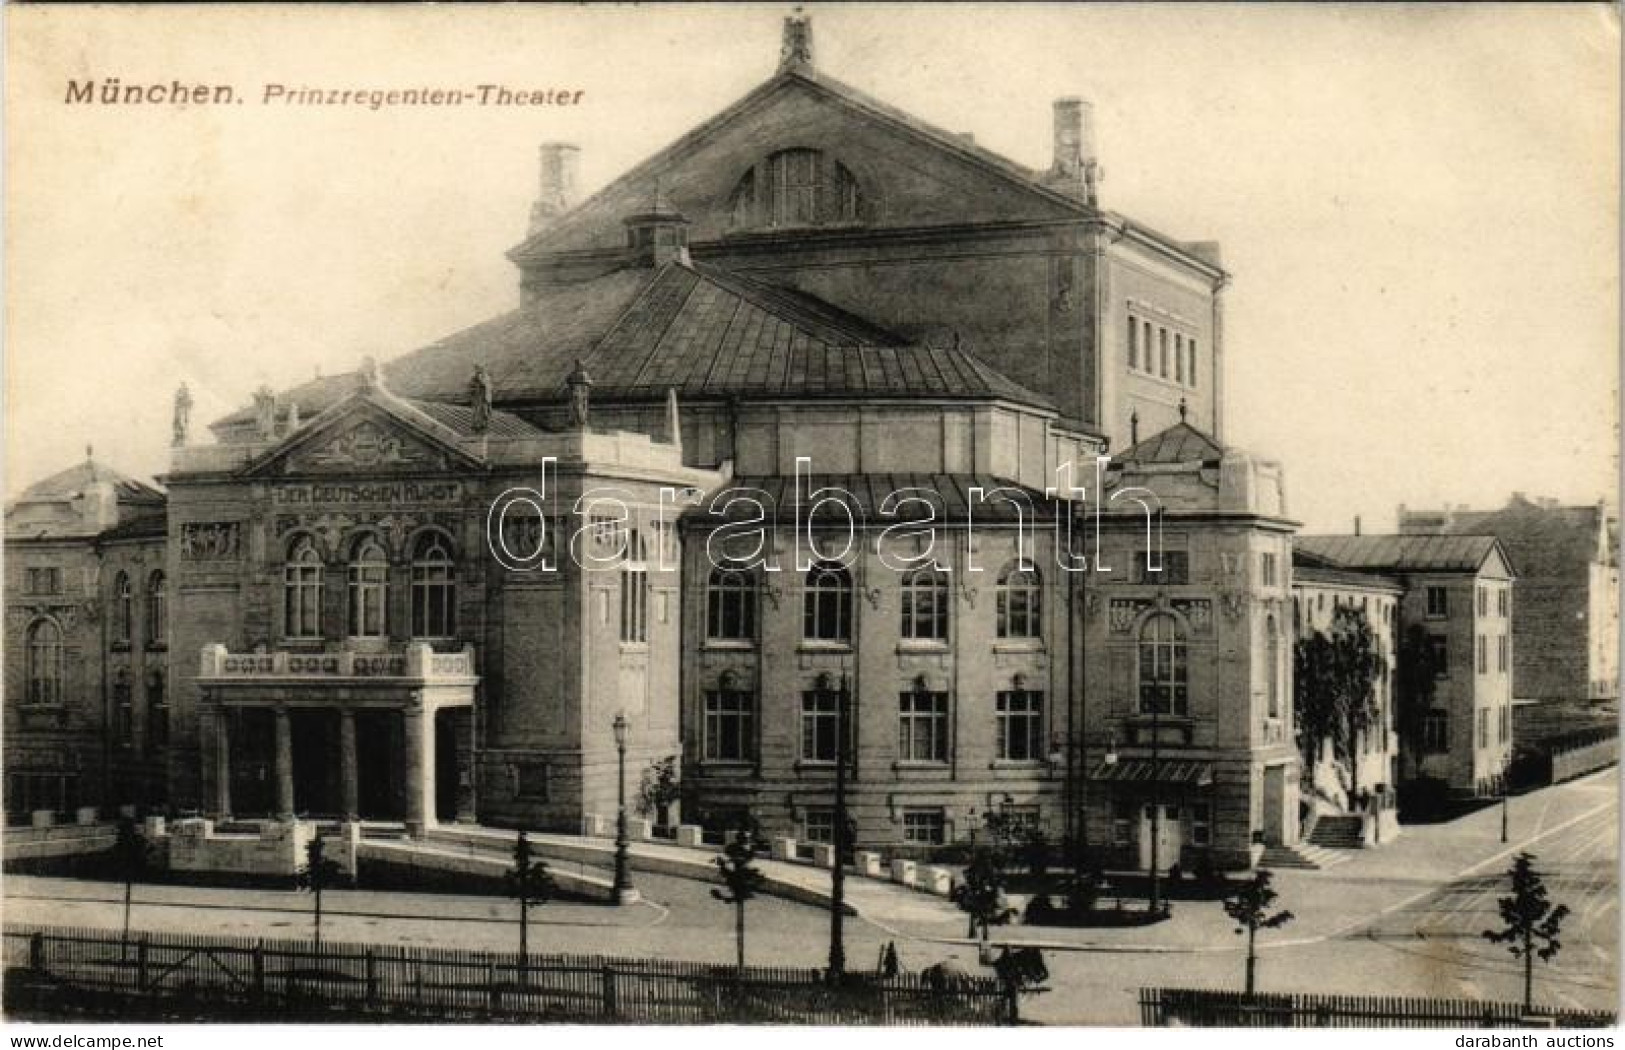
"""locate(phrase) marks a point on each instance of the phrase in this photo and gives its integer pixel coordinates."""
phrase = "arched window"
(635, 590)
(157, 711)
(302, 591)
(795, 187)
(1021, 602)
(434, 588)
(44, 663)
(369, 589)
(925, 604)
(827, 604)
(1163, 667)
(123, 608)
(157, 611)
(1272, 665)
(730, 605)
(123, 708)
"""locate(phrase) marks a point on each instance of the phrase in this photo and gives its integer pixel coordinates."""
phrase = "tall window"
(123, 708)
(1483, 727)
(1020, 602)
(925, 604)
(730, 605)
(730, 723)
(1438, 603)
(44, 663)
(1268, 569)
(635, 591)
(434, 588)
(819, 712)
(1190, 372)
(1163, 672)
(1436, 732)
(157, 711)
(1179, 358)
(1502, 601)
(302, 591)
(1133, 342)
(369, 589)
(1272, 665)
(1501, 653)
(1441, 654)
(1146, 346)
(1162, 346)
(1201, 824)
(1483, 648)
(922, 726)
(123, 608)
(827, 604)
(157, 611)
(1021, 725)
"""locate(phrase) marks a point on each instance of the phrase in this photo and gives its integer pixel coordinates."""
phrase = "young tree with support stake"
(317, 874)
(132, 857)
(1249, 906)
(530, 883)
(743, 880)
(1532, 922)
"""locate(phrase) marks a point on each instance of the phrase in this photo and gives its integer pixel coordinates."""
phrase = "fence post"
(612, 1007)
(141, 964)
(259, 971)
(1012, 1003)
(494, 989)
(372, 976)
(36, 952)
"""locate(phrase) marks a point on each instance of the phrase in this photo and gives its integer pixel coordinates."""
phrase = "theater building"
(812, 290)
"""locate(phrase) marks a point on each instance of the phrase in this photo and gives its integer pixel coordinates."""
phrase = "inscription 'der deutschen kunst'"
(112, 91)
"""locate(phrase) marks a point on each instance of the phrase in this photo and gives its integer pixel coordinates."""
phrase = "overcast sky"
(1418, 204)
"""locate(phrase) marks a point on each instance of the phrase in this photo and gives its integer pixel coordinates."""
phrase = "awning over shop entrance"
(1160, 771)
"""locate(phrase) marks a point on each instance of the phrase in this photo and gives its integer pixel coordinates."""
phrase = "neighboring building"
(810, 281)
(84, 580)
(1318, 592)
(1565, 610)
(1458, 590)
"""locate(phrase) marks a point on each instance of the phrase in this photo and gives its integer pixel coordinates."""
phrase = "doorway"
(1168, 834)
(1274, 822)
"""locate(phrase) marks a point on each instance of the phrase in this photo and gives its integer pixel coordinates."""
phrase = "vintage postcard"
(836, 515)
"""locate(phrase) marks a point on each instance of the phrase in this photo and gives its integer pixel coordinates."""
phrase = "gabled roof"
(143, 527)
(1180, 443)
(1545, 539)
(1311, 568)
(1403, 553)
(69, 484)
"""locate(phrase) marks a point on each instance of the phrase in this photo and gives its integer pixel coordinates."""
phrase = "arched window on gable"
(795, 188)
(1163, 667)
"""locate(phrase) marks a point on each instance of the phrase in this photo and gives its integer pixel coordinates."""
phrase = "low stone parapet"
(42, 818)
(85, 816)
(903, 872)
(277, 850)
(938, 881)
(869, 864)
(784, 848)
(691, 836)
(823, 855)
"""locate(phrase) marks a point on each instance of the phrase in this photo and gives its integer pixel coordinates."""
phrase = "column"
(419, 768)
(347, 767)
(222, 764)
(284, 765)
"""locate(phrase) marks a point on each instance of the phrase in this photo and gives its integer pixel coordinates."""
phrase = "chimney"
(1356, 524)
(556, 192)
(1075, 166)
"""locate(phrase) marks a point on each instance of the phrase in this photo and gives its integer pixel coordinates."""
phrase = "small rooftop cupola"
(556, 190)
(658, 234)
(1075, 167)
(797, 49)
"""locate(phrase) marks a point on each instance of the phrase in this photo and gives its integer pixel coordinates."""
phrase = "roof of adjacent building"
(1402, 553)
(1180, 443)
(1309, 567)
(703, 332)
(69, 484)
(1544, 538)
(140, 527)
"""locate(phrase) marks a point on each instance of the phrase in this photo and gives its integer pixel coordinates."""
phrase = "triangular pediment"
(909, 173)
(366, 434)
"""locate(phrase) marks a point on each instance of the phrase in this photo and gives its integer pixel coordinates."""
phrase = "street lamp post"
(623, 883)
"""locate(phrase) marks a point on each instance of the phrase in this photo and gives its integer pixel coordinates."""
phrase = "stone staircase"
(1338, 832)
(1305, 856)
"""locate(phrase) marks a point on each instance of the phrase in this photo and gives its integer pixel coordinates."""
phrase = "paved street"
(1404, 919)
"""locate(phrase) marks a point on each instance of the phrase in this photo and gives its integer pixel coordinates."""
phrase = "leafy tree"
(531, 884)
(132, 859)
(1250, 906)
(659, 789)
(1532, 922)
(1335, 677)
(318, 874)
(981, 895)
(744, 881)
(1416, 680)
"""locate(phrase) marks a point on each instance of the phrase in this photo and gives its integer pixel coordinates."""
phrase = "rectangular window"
(1145, 331)
(1201, 824)
(45, 580)
(924, 827)
(1020, 714)
(1190, 373)
(1268, 569)
(1502, 655)
(1441, 655)
(634, 603)
(730, 725)
(1502, 602)
(1505, 727)
(530, 780)
(819, 712)
(1483, 651)
(1169, 569)
(1162, 344)
(1436, 732)
(1133, 341)
(818, 825)
(1179, 358)
(1483, 727)
(922, 726)
(1483, 601)
(1438, 603)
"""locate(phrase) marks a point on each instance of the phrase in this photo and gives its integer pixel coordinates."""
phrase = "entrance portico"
(347, 735)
